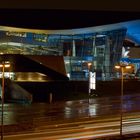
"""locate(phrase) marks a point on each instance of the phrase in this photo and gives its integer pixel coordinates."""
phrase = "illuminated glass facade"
(99, 49)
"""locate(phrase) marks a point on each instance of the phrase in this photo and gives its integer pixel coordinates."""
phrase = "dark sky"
(62, 19)
(66, 14)
(111, 5)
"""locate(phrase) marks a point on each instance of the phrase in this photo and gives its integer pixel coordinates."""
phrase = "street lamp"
(122, 67)
(4, 65)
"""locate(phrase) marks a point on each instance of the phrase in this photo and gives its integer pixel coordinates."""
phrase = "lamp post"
(3, 66)
(122, 67)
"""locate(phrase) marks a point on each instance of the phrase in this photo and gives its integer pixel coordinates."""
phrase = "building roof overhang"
(132, 27)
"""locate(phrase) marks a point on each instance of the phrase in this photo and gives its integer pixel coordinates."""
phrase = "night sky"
(62, 19)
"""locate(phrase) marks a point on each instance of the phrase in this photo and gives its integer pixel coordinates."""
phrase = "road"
(82, 119)
(83, 129)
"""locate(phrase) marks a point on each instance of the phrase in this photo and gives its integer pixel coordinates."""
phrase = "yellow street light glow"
(5, 65)
(128, 67)
(117, 67)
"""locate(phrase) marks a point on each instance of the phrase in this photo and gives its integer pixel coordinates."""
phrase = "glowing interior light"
(89, 64)
(5, 65)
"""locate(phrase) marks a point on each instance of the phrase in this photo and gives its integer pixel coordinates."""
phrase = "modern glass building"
(84, 50)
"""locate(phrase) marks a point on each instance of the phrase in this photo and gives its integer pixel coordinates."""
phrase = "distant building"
(79, 47)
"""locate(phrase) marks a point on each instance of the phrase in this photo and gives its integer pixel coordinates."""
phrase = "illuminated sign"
(19, 34)
(40, 37)
(125, 53)
(92, 81)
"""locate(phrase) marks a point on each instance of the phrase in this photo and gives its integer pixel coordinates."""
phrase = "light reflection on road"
(41, 114)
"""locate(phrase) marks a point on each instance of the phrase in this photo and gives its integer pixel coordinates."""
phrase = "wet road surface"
(81, 118)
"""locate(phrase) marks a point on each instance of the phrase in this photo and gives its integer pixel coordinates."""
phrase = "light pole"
(3, 66)
(122, 67)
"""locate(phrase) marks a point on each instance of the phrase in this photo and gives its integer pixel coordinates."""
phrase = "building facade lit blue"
(103, 49)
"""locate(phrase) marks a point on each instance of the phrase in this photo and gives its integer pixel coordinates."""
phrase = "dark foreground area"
(77, 90)
(100, 117)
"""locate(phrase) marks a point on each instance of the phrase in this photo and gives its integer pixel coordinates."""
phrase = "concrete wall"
(71, 90)
(113, 88)
(60, 90)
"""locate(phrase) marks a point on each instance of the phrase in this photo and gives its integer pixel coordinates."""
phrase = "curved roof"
(133, 30)
(130, 26)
